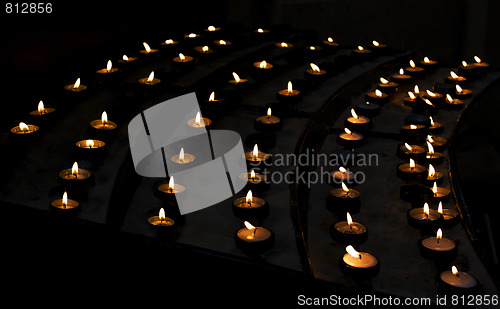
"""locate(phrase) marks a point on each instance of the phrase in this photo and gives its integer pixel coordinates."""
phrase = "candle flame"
(181, 154)
(426, 209)
(401, 71)
(440, 207)
(408, 147)
(431, 120)
(416, 89)
(375, 43)
(182, 57)
(192, 35)
(439, 234)
(314, 67)
(260, 30)
(430, 93)
(146, 47)
(478, 60)
(269, 112)
(263, 64)
(249, 197)
(360, 48)
(449, 98)
(312, 47)
(454, 270)
(349, 219)
(330, 39)
(342, 169)
(412, 163)
(74, 169)
(458, 88)
(161, 214)
(426, 60)
(353, 113)
(252, 174)
(204, 49)
(289, 87)
(428, 102)
(236, 77)
(197, 119)
(109, 66)
(77, 83)
(412, 63)
(434, 188)
(431, 149)
(413, 127)
(432, 171)
(169, 41)
(255, 151)
(104, 117)
(23, 126)
(125, 58)
(378, 93)
(41, 108)
(346, 130)
(350, 249)
(249, 225)
(284, 44)
(344, 187)
(430, 139)
(151, 76)
(212, 96)
(453, 75)
(465, 64)
(211, 28)
(89, 143)
(222, 42)
(411, 95)
(171, 184)
(383, 80)
(65, 199)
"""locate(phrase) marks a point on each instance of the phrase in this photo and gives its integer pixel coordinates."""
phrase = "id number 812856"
(28, 8)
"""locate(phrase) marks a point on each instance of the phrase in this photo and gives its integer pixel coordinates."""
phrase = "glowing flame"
(109, 66)
(269, 112)
(412, 163)
(383, 80)
(360, 48)
(125, 58)
(413, 127)
(74, 169)
(330, 39)
(432, 171)
(263, 64)
(197, 119)
(408, 147)
(426, 209)
(401, 71)
(182, 57)
(249, 226)
(252, 174)
(249, 197)
(454, 270)
(236, 77)
(430, 139)
(192, 35)
(342, 169)
(222, 42)
(151, 76)
(346, 130)
(458, 88)
(453, 75)
(426, 60)
(439, 234)
(350, 249)
(260, 30)
(314, 67)
(284, 44)
(255, 151)
(169, 41)
(204, 49)
(375, 43)
(171, 184)
(289, 87)
(434, 188)
(465, 64)
(41, 108)
(430, 93)
(146, 47)
(212, 96)
(431, 120)
(449, 98)
(23, 126)
(349, 219)
(104, 117)
(345, 188)
(411, 95)
(89, 143)
(416, 89)
(353, 113)
(312, 47)
(412, 64)
(161, 214)
(431, 149)
(211, 28)
(181, 154)
(428, 102)
(77, 83)
(478, 60)
(65, 199)
(378, 93)
(440, 207)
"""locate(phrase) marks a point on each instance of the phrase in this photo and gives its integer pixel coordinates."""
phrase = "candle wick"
(254, 231)
(438, 240)
(360, 256)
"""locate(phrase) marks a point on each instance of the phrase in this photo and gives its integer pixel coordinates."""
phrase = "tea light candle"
(217, 106)
(343, 199)
(261, 31)
(424, 218)
(435, 97)
(109, 69)
(283, 45)
(126, 59)
(415, 152)
(469, 71)
(387, 86)
(428, 64)
(151, 80)
(401, 77)
(438, 142)
(256, 157)
(377, 47)
(314, 73)
(413, 132)
(183, 158)
(455, 79)
(349, 232)
(192, 36)
(350, 139)
(268, 123)
(198, 121)
(288, 95)
(42, 111)
(411, 171)
(75, 176)
(250, 206)
(255, 181)
(91, 148)
(377, 97)
(103, 124)
(359, 264)
(203, 50)
(161, 223)
(169, 191)
(462, 93)
(450, 215)
(147, 50)
(438, 248)
(182, 61)
(237, 81)
(361, 52)
(330, 43)
(212, 29)
(410, 99)
(263, 65)
(482, 66)
(357, 123)
(24, 129)
(433, 176)
(439, 194)
(367, 109)
(65, 205)
(414, 71)
(424, 106)
(169, 43)
(433, 157)
(254, 239)
(222, 43)
(435, 127)
(342, 175)
(76, 87)
(457, 280)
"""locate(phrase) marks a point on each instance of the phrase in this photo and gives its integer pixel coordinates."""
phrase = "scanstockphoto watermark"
(311, 168)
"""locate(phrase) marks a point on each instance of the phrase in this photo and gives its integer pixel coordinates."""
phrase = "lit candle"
(182, 158)
(411, 171)
(91, 148)
(469, 71)
(161, 223)
(450, 215)
(237, 80)
(455, 79)
(217, 106)
(103, 124)
(388, 86)
(438, 248)
(268, 123)
(361, 53)
(413, 132)
(377, 47)
(377, 97)
(255, 181)
(76, 87)
(367, 109)
(413, 70)
(284, 45)
(350, 139)
(435, 127)
(457, 280)
(192, 36)
(263, 65)
(349, 232)
(434, 97)
(433, 176)
(480, 65)
(169, 43)
(261, 31)
(183, 61)
(428, 64)
(424, 218)
(24, 129)
(342, 175)
(126, 59)
(255, 157)
(315, 73)
(410, 99)
(222, 43)
(439, 194)
(212, 29)
(401, 77)
(42, 110)
(169, 191)
(203, 50)
(109, 69)
(75, 176)
(462, 93)
(90, 144)
(65, 205)
(330, 43)
(250, 206)
(357, 123)
(415, 152)
(151, 80)
(438, 142)
(288, 95)
(198, 121)
(254, 239)
(359, 264)
(343, 199)
(147, 50)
